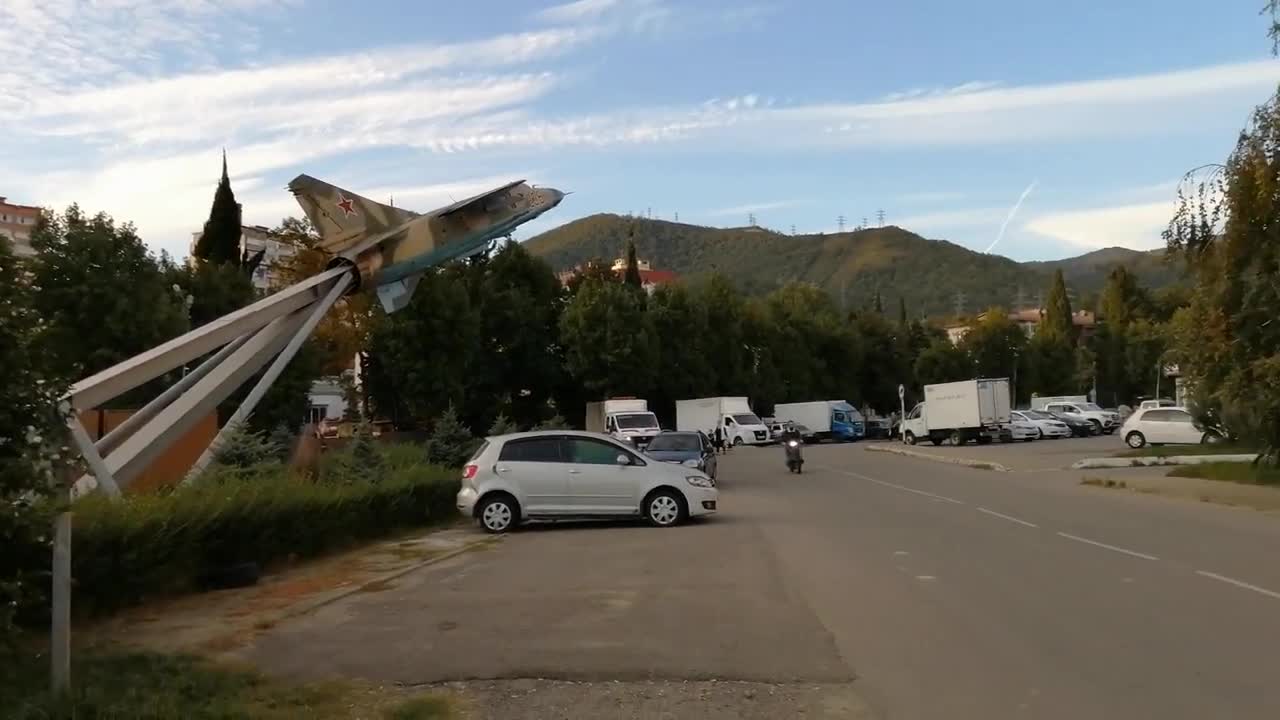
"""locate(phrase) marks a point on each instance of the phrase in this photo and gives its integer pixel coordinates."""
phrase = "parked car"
(1046, 425)
(776, 429)
(879, 427)
(1080, 427)
(1017, 429)
(565, 474)
(1164, 425)
(691, 449)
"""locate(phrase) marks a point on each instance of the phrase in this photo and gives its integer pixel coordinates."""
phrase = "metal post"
(60, 630)
(242, 413)
(97, 466)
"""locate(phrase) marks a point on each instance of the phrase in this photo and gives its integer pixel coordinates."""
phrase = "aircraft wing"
(463, 204)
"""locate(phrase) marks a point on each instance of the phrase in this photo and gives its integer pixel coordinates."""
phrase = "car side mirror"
(624, 459)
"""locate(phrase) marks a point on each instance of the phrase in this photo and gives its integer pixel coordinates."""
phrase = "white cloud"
(1136, 226)
(577, 11)
(753, 208)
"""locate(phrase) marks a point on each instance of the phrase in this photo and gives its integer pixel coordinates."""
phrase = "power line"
(880, 217)
(793, 229)
(864, 222)
(677, 216)
(751, 219)
(840, 223)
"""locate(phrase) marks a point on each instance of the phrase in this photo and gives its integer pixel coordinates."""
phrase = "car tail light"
(469, 471)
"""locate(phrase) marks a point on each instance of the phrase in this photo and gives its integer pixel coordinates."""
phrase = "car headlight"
(699, 481)
(792, 443)
(693, 463)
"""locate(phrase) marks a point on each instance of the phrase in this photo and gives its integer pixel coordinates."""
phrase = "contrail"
(1013, 211)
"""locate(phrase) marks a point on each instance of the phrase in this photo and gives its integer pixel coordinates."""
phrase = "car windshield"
(746, 419)
(1090, 407)
(636, 421)
(1038, 415)
(683, 442)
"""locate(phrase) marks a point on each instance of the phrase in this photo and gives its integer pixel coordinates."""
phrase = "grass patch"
(152, 686)
(1243, 473)
(1171, 450)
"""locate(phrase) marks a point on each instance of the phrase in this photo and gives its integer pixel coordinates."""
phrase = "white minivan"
(565, 474)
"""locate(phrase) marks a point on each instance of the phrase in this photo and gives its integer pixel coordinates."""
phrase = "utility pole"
(677, 216)
(649, 213)
(880, 217)
(793, 229)
(840, 223)
(751, 219)
(864, 223)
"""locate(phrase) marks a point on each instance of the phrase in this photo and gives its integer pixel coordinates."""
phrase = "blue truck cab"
(847, 424)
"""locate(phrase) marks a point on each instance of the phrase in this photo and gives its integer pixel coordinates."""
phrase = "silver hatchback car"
(564, 474)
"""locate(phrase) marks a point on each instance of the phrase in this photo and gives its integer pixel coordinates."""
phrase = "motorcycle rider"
(790, 435)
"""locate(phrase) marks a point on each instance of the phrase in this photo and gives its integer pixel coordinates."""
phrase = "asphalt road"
(931, 590)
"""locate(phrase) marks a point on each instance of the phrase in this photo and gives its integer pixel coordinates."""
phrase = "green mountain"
(934, 276)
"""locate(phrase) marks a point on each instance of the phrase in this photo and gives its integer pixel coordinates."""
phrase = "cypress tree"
(1057, 316)
(632, 276)
(220, 241)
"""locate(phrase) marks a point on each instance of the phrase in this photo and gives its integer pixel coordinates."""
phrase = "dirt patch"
(666, 699)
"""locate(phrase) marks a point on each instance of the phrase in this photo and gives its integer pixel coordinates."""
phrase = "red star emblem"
(347, 205)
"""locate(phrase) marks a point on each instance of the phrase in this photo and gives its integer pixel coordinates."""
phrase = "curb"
(980, 464)
(1127, 462)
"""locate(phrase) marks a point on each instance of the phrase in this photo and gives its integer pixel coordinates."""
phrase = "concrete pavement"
(906, 588)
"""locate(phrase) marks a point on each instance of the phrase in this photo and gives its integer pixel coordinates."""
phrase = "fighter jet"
(391, 247)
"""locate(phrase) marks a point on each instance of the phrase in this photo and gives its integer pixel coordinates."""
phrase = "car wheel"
(664, 508)
(1135, 440)
(737, 441)
(909, 438)
(986, 439)
(1210, 438)
(1029, 439)
(956, 440)
(498, 513)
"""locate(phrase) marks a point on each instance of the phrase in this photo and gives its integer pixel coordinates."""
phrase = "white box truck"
(1080, 407)
(959, 412)
(626, 419)
(733, 415)
(828, 419)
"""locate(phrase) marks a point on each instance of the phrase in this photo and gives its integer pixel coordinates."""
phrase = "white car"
(563, 474)
(1164, 425)
(1105, 420)
(1017, 429)
(1046, 425)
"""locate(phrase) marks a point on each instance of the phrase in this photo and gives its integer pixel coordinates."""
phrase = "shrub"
(163, 544)
(555, 422)
(451, 442)
(502, 425)
(243, 448)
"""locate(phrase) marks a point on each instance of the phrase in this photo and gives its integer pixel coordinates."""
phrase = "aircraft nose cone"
(554, 196)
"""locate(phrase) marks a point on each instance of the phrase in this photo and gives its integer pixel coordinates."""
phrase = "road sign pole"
(902, 405)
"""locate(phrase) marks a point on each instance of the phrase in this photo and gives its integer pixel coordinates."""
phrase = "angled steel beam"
(317, 312)
(148, 442)
(118, 379)
(97, 467)
(108, 442)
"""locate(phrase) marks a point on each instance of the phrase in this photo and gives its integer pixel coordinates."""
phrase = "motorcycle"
(795, 460)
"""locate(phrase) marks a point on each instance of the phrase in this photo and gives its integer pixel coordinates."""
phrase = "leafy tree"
(102, 296)
(595, 269)
(995, 344)
(219, 243)
(1057, 315)
(685, 367)
(733, 360)
(214, 289)
(877, 362)
(1226, 340)
(422, 357)
(1122, 298)
(519, 304)
(1049, 366)
(31, 450)
(610, 347)
(450, 442)
(810, 352)
(943, 362)
(632, 276)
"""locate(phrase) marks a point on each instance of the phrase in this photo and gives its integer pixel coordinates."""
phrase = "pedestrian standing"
(719, 441)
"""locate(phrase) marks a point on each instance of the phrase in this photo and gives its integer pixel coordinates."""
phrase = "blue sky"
(942, 114)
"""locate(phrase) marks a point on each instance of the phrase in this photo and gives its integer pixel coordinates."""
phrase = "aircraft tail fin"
(340, 216)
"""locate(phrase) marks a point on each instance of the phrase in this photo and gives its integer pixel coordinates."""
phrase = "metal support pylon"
(242, 343)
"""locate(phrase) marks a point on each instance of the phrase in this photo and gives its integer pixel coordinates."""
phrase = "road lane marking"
(1077, 538)
(926, 577)
(1010, 518)
(1239, 583)
(900, 487)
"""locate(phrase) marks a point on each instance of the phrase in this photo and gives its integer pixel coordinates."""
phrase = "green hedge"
(163, 544)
